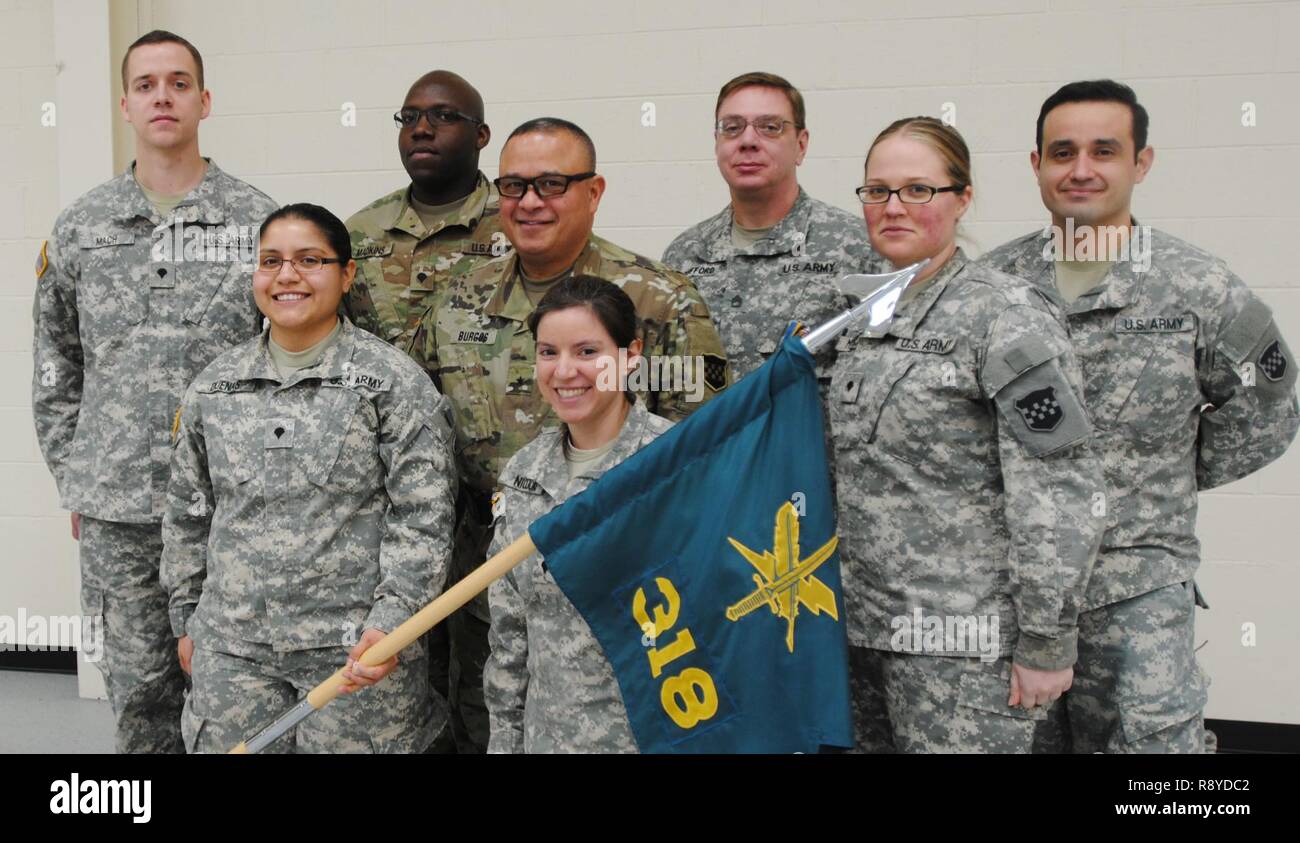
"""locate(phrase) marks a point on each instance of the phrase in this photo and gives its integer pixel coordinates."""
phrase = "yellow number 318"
(690, 696)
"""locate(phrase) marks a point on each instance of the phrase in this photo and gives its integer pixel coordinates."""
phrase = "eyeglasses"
(733, 127)
(912, 194)
(435, 116)
(304, 263)
(548, 184)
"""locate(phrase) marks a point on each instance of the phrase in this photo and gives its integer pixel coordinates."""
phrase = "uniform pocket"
(1142, 719)
(344, 454)
(859, 390)
(986, 688)
(465, 381)
(1166, 393)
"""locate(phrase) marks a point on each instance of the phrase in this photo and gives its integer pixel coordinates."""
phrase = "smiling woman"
(310, 511)
(548, 685)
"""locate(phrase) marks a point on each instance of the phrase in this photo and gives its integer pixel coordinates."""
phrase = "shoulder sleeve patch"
(1040, 410)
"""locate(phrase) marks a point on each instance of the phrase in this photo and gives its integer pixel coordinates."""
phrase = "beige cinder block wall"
(288, 79)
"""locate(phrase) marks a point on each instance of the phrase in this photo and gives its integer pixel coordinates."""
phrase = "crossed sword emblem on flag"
(785, 580)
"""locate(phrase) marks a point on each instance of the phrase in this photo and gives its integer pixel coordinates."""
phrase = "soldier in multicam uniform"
(968, 495)
(407, 246)
(1190, 386)
(548, 684)
(473, 336)
(141, 285)
(309, 513)
(774, 254)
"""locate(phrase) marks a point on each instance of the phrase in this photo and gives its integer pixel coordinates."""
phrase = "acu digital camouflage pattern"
(913, 704)
(121, 328)
(119, 336)
(792, 274)
(476, 342)
(237, 695)
(400, 264)
(952, 500)
(137, 656)
(548, 685)
(1138, 687)
(1154, 347)
(302, 513)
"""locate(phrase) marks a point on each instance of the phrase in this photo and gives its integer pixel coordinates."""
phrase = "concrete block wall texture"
(284, 74)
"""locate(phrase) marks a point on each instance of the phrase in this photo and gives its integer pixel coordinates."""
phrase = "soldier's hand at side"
(76, 526)
(358, 674)
(185, 652)
(1031, 687)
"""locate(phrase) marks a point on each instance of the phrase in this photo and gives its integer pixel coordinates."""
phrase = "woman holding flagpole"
(970, 507)
(547, 684)
(309, 513)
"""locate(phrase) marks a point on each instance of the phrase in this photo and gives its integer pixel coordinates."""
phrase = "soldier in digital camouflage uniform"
(311, 501)
(474, 339)
(548, 685)
(967, 491)
(774, 254)
(407, 246)
(1189, 385)
(142, 283)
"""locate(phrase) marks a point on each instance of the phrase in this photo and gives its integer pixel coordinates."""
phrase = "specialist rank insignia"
(1040, 410)
(784, 579)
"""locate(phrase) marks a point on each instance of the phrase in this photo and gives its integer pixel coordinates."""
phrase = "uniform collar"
(204, 205)
(332, 364)
(1117, 290)
(511, 302)
(551, 470)
(400, 216)
(788, 234)
(906, 322)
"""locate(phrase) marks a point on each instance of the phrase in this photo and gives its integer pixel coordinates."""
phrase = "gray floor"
(41, 712)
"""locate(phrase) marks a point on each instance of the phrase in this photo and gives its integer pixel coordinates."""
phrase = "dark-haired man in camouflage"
(1189, 385)
(144, 281)
(475, 339)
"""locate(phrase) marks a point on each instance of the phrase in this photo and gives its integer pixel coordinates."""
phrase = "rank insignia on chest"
(1040, 409)
(1273, 362)
(736, 301)
(527, 484)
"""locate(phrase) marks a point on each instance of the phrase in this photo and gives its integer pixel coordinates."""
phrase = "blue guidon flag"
(707, 567)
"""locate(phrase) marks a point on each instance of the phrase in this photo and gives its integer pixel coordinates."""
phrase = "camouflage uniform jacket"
(478, 346)
(128, 310)
(302, 512)
(400, 264)
(966, 484)
(547, 684)
(1156, 347)
(791, 274)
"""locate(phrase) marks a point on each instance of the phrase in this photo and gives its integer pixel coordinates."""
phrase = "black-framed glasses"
(909, 194)
(769, 126)
(302, 263)
(435, 116)
(547, 184)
